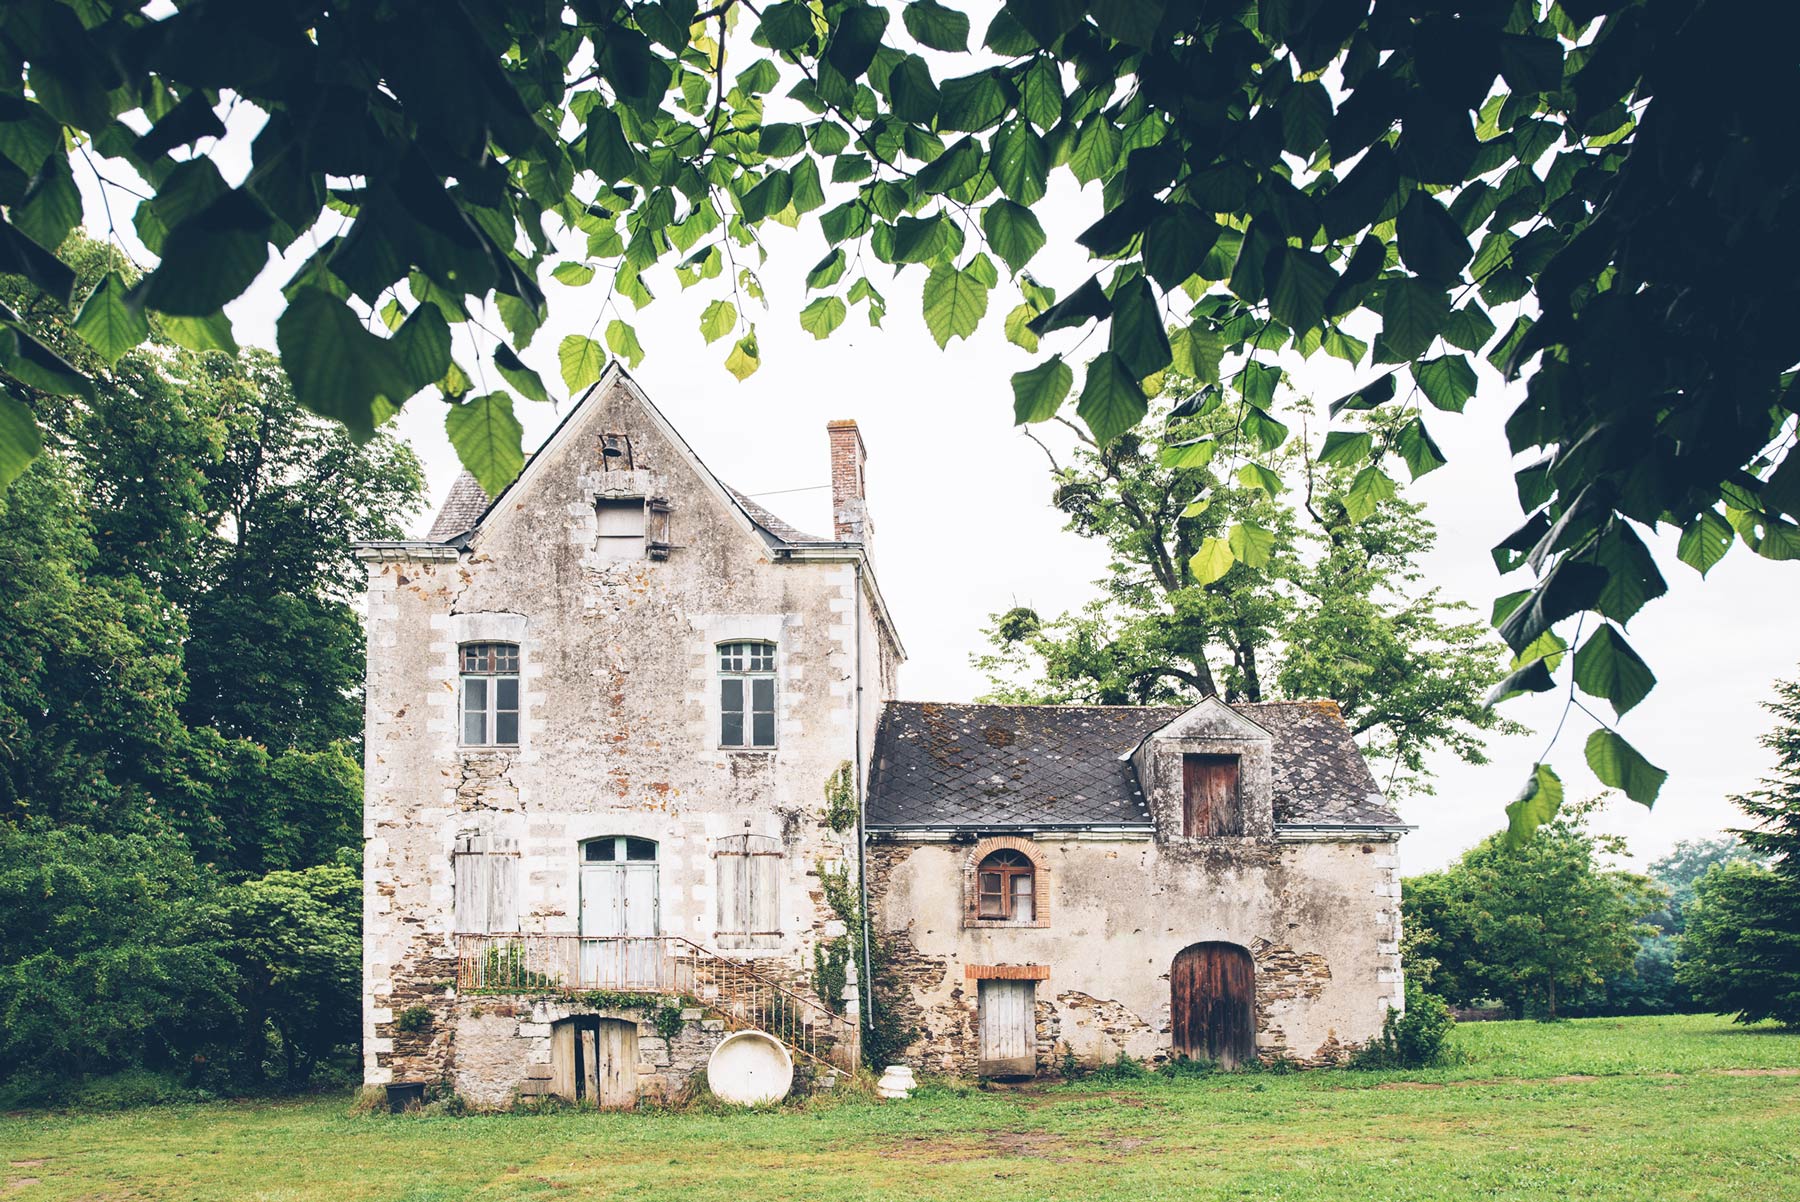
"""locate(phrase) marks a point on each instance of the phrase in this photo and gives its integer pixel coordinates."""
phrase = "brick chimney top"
(849, 497)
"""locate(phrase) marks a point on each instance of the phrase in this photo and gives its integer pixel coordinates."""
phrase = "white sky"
(964, 527)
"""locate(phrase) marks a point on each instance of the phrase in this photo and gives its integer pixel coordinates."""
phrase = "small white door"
(1008, 1028)
(619, 920)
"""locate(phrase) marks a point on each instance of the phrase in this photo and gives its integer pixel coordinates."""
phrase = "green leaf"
(1256, 382)
(1447, 381)
(954, 302)
(1374, 394)
(1018, 327)
(1413, 313)
(717, 320)
(854, 42)
(581, 360)
(51, 206)
(1418, 448)
(1301, 282)
(1255, 475)
(1176, 242)
(825, 272)
(1013, 231)
(514, 372)
(935, 26)
(1197, 351)
(970, 103)
(20, 440)
(1111, 400)
(1211, 561)
(1251, 544)
(338, 368)
(108, 323)
(572, 274)
(1020, 162)
(210, 258)
(1431, 241)
(488, 439)
(1039, 392)
(1347, 448)
(200, 333)
(1531, 677)
(622, 340)
(1608, 668)
(1619, 766)
(910, 87)
(1260, 428)
(1367, 491)
(1137, 336)
(745, 357)
(1704, 542)
(1632, 577)
(1536, 805)
(421, 348)
(1190, 454)
(823, 315)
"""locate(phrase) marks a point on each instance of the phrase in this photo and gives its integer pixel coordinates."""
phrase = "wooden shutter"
(486, 887)
(1210, 796)
(748, 872)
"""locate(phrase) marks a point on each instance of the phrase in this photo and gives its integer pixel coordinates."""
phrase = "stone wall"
(619, 729)
(1319, 918)
(503, 1051)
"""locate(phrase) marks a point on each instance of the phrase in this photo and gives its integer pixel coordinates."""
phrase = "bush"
(1417, 1038)
(413, 1019)
(1122, 1071)
(1183, 1067)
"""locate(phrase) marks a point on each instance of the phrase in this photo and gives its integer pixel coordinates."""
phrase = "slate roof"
(994, 766)
(777, 529)
(460, 511)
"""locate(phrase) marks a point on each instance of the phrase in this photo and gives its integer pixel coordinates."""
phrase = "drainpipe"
(862, 839)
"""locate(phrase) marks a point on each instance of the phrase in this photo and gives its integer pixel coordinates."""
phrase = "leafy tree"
(1741, 948)
(1325, 600)
(1533, 922)
(1467, 156)
(112, 953)
(296, 939)
(1680, 871)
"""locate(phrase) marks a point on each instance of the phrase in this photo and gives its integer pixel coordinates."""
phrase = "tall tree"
(1533, 923)
(1323, 599)
(1741, 948)
(1464, 156)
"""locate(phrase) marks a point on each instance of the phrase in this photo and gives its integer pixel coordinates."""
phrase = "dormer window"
(620, 522)
(490, 694)
(1211, 802)
(747, 695)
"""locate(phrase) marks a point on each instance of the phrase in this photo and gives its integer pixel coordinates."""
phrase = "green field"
(1651, 1108)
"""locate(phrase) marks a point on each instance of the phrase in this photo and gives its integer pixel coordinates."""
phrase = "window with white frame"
(621, 527)
(490, 694)
(486, 885)
(749, 891)
(746, 694)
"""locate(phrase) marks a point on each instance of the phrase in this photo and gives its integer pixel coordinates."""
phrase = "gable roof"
(994, 766)
(467, 504)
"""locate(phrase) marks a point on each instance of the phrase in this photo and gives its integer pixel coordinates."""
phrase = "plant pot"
(405, 1095)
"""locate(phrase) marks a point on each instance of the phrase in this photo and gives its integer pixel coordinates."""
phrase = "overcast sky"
(964, 527)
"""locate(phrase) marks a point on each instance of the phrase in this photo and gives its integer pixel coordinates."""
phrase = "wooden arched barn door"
(1213, 1003)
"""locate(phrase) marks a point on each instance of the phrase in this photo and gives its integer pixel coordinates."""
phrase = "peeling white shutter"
(486, 885)
(748, 875)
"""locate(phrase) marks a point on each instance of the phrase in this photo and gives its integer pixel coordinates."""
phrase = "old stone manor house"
(634, 756)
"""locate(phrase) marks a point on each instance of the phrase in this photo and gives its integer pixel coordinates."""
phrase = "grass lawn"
(1650, 1108)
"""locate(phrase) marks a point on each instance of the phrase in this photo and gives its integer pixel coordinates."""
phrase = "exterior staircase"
(659, 966)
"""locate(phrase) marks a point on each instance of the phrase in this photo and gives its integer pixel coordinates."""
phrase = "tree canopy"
(1322, 598)
(1384, 183)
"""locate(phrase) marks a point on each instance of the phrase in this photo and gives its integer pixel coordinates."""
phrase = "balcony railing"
(663, 964)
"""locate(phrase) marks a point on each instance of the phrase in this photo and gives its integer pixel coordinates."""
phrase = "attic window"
(621, 527)
(1210, 801)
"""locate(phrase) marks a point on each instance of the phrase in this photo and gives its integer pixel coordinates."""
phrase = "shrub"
(1121, 1071)
(1183, 1067)
(1416, 1038)
(413, 1018)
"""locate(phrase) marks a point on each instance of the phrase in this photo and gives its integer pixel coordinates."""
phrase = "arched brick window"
(1005, 884)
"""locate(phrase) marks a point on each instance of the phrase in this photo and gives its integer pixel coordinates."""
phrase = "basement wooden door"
(1008, 1028)
(1213, 1003)
(595, 1058)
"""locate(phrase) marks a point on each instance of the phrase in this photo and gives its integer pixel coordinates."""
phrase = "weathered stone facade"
(619, 728)
(1315, 907)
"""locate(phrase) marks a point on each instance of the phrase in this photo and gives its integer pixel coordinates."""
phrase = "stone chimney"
(849, 500)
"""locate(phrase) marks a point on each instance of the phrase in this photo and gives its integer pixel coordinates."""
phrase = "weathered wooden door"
(1213, 1003)
(619, 920)
(1209, 791)
(616, 1064)
(1008, 1028)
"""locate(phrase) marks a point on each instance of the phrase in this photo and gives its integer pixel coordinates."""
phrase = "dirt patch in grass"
(1760, 1072)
